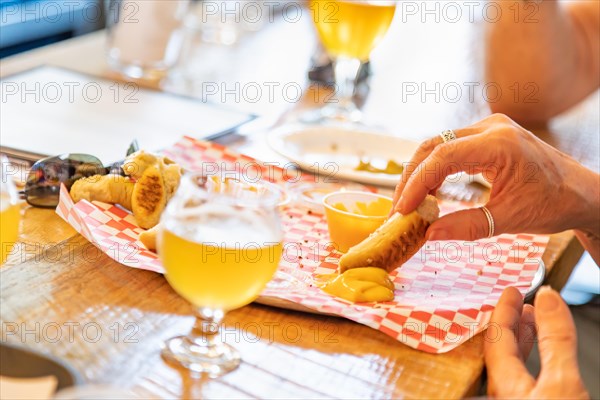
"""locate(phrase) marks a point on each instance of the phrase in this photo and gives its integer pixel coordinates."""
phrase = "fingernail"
(439, 234)
(546, 300)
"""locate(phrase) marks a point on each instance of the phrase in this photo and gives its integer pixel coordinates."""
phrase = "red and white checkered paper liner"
(444, 295)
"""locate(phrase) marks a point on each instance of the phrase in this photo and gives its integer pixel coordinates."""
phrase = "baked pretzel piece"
(394, 242)
(149, 197)
(150, 183)
(136, 163)
(149, 236)
(114, 189)
(172, 176)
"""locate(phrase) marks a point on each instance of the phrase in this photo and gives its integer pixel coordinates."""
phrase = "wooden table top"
(60, 296)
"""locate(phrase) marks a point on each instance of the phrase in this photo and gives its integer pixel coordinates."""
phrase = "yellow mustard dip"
(392, 168)
(358, 285)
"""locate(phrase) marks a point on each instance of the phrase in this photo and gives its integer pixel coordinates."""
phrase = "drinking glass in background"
(349, 30)
(225, 22)
(205, 33)
(10, 211)
(212, 30)
(220, 242)
(144, 37)
(214, 22)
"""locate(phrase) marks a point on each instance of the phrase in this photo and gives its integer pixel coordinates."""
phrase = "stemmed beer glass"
(349, 31)
(10, 211)
(220, 242)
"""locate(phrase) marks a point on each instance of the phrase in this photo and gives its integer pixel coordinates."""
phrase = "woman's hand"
(516, 327)
(535, 188)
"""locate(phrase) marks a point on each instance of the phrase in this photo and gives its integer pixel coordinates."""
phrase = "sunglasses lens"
(45, 177)
(43, 196)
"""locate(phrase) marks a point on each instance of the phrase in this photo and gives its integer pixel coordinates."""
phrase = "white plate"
(334, 152)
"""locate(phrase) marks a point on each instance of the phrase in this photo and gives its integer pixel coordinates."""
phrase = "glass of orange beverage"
(220, 242)
(10, 211)
(349, 30)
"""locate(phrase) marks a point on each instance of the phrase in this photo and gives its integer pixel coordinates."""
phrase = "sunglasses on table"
(42, 188)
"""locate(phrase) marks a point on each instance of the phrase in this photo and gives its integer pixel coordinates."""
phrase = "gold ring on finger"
(448, 135)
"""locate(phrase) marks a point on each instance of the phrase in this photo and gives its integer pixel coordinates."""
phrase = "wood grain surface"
(59, 295)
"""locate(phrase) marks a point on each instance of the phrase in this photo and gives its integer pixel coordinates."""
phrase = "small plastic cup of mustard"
(353, 216)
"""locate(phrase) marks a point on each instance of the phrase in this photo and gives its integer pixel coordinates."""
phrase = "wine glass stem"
(205, 332)
(346, 71)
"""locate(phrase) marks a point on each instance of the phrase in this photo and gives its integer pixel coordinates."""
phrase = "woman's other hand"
(516, 326)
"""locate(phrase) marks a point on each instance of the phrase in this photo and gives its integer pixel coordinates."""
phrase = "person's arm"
(535, 187)
(543, 55)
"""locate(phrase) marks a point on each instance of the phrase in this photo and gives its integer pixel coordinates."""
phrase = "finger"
(527, 331)
(557, 339)
(503, 358)
(468, 225)
(421, 154)
(463, 154)
(424, 150)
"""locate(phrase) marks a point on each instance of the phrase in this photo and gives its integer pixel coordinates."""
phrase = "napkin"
(444, 295)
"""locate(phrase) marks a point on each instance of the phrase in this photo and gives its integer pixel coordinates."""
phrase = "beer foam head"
(225, 211)
(225, 225)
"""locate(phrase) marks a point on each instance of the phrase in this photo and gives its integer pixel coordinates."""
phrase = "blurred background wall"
(27, 24)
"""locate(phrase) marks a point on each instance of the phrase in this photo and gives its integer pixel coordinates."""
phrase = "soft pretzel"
(394, 242)
(110, 188)
(148, 237)
(150, 183)
(149, 197)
